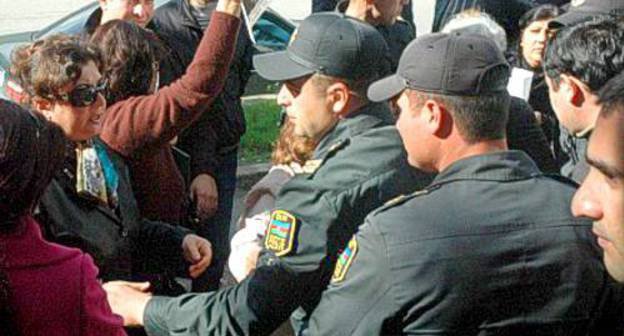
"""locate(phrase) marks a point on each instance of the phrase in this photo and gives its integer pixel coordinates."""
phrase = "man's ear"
(574, 90)
(438, 120)
(338, 96)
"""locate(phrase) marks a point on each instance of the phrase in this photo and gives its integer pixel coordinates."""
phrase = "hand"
(198, 252)
(128, 299)
(205, 195)
(231, 7)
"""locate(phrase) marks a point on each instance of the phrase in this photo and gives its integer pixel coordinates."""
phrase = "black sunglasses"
(85, 95)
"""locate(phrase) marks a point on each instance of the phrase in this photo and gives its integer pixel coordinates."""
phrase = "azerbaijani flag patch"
(280, 233)
(345, 260)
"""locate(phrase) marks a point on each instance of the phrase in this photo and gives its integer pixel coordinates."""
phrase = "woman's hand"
(232, 7)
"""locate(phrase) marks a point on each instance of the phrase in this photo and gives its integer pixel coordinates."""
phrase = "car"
(270, 32)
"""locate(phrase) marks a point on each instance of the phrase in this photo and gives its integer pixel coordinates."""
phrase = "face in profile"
(307, 108)
(601, 196)
(412, 126)
(138, 11)
(80, 109)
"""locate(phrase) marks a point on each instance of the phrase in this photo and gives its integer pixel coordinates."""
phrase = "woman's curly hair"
(43, 68)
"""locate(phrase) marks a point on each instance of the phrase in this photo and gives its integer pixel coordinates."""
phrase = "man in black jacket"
(212, 141)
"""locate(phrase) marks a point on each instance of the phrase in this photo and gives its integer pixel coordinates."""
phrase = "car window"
(271, 32)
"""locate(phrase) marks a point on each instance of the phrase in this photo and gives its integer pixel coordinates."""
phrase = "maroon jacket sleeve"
(143, 122)
(97, 317)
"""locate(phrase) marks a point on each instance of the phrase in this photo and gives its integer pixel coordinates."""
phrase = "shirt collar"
(369, 116)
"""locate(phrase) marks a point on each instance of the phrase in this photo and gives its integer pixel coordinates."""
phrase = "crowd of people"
(467, 181)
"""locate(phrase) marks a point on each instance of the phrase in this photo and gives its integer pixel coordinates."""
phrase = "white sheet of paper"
(520, 83)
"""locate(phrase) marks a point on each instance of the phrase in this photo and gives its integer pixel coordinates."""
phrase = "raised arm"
(149, 121)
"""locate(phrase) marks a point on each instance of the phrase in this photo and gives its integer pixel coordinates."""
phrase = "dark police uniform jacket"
(489, 248)
(121, 242)
(357, 167)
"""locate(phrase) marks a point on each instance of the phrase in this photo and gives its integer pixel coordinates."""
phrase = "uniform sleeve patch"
(280, 234)
(345, 260)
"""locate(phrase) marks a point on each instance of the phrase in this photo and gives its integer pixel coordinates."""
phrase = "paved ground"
(25, 15)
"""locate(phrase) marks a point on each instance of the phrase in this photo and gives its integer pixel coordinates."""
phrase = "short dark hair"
(129, 53)
(478, 118)
(611, 96)
(590, 51)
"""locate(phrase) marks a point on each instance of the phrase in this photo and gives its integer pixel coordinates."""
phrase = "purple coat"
(54, 290)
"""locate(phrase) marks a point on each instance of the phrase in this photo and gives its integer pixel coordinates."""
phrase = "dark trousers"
(217, 228)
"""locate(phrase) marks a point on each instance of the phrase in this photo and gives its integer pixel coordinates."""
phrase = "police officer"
(490, 247)
(386, 17)
(358, 165)
(601, 196)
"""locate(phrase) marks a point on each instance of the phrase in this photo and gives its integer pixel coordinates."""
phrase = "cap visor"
(386, 88)
(279, 67)
(570, 19)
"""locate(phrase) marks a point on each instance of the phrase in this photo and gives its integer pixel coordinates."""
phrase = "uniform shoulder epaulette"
(311, 166)
(400, 200)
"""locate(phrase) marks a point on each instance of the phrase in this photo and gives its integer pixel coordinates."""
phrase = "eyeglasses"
(85, 95)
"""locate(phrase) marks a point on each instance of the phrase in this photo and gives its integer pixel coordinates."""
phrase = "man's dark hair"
(611, 96)
(480, 117)
(591, 52)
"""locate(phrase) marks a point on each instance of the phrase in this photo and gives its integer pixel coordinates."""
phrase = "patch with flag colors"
(345, 260)
(280, 234)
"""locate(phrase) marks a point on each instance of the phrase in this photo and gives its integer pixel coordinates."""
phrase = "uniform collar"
(369, 116)
(498, 166)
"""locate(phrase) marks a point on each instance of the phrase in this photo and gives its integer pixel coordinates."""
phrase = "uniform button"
(124, 233)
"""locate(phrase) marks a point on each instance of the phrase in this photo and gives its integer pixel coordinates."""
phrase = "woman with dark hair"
(142, 120)
(45, 289)
(90, 204)
(530, 53)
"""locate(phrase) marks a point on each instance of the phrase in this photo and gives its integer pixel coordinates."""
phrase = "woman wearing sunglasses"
(45, 289)
(90, 203)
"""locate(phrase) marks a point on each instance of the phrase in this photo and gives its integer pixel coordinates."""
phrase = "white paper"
(520, 83)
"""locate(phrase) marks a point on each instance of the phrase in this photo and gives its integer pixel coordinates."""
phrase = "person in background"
(534, 35)
(601, 196)
(137, 11)
(490, 247)
(358, 164)
(506, 14)
(329, 5)
(579, 61)
(45, 289)
(90, 203)
(212, 140)
(384, 15)
(523, 132)
(288, 158)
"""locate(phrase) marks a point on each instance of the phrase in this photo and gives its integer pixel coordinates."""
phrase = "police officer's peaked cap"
(584, 10)
(451, 64)
(331, 44)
